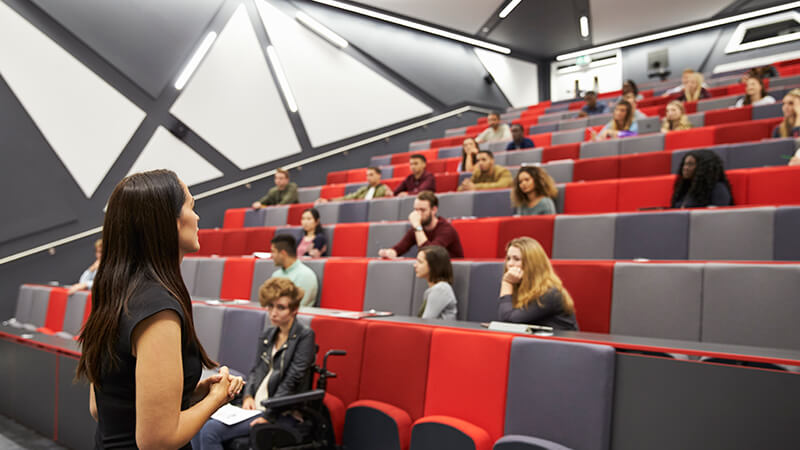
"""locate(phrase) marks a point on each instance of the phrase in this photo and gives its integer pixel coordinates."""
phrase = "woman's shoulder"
(152, 297)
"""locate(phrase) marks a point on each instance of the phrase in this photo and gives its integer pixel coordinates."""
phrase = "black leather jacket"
(292, 362)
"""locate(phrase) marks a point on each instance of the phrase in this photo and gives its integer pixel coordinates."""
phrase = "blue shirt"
(526, 143)
(599, 108)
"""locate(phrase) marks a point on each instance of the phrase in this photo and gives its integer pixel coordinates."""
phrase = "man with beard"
(426, 229)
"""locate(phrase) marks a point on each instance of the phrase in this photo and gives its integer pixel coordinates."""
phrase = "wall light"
(321, 30)
(282, 81)
(509, 7)
(584, 24)
(194, 62)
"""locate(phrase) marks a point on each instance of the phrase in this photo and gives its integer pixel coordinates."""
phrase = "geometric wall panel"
(337, 95)
(518, 79)
(85, 120)
(233, 103)
(165, 151)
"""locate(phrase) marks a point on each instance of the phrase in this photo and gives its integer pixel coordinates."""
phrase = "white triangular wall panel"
(85, 120)
(233, 103)
(337, 96)
(518, 79)
(165, 151)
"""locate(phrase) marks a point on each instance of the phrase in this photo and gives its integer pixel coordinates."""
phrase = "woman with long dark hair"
(701, 181)
(533, 192)
(469, 155)
(439, 301)
(139, 347)
(313, 243)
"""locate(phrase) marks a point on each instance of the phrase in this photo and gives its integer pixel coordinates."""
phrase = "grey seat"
(697, 119)
(389, 286)
(40, 299)
(328, 230)
(716, 103)
(567, 137)
(498, 146)
(484, 285)
(776, 83)
(519, 157)
(208, 325)
(460, 131)
(560, 171)
(759, 154)
(350, 188)
(663, 235)
(461, 276)
(318, 267)
(189, 272)
(492, 203)
(380, 160)
(255, 217)
(262, 271)
(584, 236)
(649, 125)
(542, 127)
(562, 188)
(456, 204)
(276, 216)
(573, 124)
(406, 206)
(768, 111)
(501, 156)
(22, 313)
(753, 305)
(449, 152)
(385, 235)
(738, 234)
(787, 240)
(328, 212)
(353, 211)
(208, 281)
(387, 170)
(294, 231)
(599, 119)
(609, 147)
(241, 329)
(720, 150)
(383, 209)
(74, 312)
(419, 145)
(308, 194)
(657, 300)
(642, 144)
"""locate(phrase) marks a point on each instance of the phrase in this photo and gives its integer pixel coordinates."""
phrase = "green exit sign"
(583, 60)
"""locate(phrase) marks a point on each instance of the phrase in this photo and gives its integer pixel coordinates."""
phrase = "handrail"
(261, 176)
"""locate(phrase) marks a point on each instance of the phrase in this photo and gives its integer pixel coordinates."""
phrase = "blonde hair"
(275, 288)
(787, 123)
(538, 276)
(98, 244)
(694, 96)
(283, 171)
(682, 123)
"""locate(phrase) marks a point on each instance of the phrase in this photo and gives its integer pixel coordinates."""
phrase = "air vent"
(765, 31)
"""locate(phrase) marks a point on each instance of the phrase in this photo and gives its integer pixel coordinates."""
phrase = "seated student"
(530, 291)
(787, 126)
(592, 107)
(755, 94)
(469, 155)
(693, 90)
(418, 180)
(518, 139)
(487, 175)
(284, 255)
(676, 118)
(373, 189)
(684, 80)
(87, 277)
(628, 86)
(284, 192)
(795, 161)
(701, 181)
(630, 98)
(426, 229)
(439, 301)
(314, 242)
(286, 352)
(496, 131)
(621, 124)
(534, 191)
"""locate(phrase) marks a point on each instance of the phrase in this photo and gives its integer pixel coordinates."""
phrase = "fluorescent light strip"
(284, 84)
(584, 24)
(198, 56)
(321, 30)
(509, 7)
(678, 31)
(416, 26)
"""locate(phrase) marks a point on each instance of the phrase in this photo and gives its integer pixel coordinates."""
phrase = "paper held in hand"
(231, 415)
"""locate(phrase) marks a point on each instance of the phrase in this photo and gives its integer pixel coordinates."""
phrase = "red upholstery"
(394, 367)
(563, 151)
(542, 140)
(88, 308)
(467, 375)
(56, 305)
(234, 218)
(719, 91)
(645, 192)
(643, 164)
(774, 185)
(341, 334)
(537, 227)
(478, 435)
(296, 210)
(725, 116)
(697, 137)
(344, 284)
(446, 182)
(476, 129)
(330, 191)
(591, 197)
(210, 242)
(258, 239)
(356, 175)
(576, 105)
(478, 237)
(690, 107)
(400, 158)
(589, 283)
(392, 183)
(437, 166)
(401, 170)
(337, 177)
(400, 417)
(337, 413)
(451, 164)
(237, 276)
(739, 180)
(596, 168)
(740, 132)
(350, 239)
(234, 242)
(738, 89)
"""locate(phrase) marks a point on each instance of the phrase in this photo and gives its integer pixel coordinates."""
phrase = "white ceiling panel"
(165, 151)
(464, 15)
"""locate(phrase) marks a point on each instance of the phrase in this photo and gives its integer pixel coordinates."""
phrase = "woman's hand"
(203, 386)
(76, 287)
(258, 420)
(513, 276)
(314, 253)
(249, 403)
(226, 388)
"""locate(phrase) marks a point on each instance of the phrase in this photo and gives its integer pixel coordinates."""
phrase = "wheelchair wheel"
(267, 436)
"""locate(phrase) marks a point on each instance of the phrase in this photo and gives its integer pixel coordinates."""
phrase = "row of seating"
(49, 310)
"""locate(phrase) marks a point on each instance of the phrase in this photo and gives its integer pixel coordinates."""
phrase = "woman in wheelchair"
(286, 352)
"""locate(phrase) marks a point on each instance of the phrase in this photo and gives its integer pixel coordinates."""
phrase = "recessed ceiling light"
(509, 7)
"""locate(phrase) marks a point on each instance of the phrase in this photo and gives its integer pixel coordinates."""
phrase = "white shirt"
(767, 100)
(502, 133)
(370, 193)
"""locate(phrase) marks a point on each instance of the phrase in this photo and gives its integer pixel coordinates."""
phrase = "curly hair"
(708, 172)
(275, 288)
(543, 186)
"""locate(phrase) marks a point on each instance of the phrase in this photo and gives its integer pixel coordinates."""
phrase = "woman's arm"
(440, 296)
(532, 313)
(92, 402)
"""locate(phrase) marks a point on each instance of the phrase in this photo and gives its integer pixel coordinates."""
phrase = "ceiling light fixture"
(321, 30)
(509, 7)
(193, 63)
(584, 24)
(678, 31)
(282, 81)
(416, 26)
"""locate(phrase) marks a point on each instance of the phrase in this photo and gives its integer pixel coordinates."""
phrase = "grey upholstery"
(573, 124)
(449, 152)
(765, 153)
(718, 235)
(439, 436)
(74, 312)
(768, 111)
(255, 217)
(751, 305)
(574, 384)
(328, 212)
(542, 127)
(484, 285)
(498, 146)
(294, 231)
(584, 236)
(560, 170)
(520, 442)
(511, 115)
(720, 150)
(241, 329)
(716, 103)
(276, 216)
(649, 125)
(387, 170)
(609, 147)
(389, 286)
(662, 235)
(262, 271)
(657, 300)
(22, 313)
(208, 281)
(381, 160)
(642, 144)
(787, 239)
(208, 325)
(348, 189)
(383, 209)
(384, 235)
(456, 204)
(329, 235)
(309, 194)
(599, 119)
(189, 272)
(40, 299)
(518, 157)
(419, 145)
(318, 267)
(562, 189)
(567, 137)
(352, 212)
(492, 203)
(551, 119)
(775, 83)
(406, 206)
(500, 157)
(697, 119)
(460, 131)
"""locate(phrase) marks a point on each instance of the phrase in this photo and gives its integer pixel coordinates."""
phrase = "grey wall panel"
(7, 368)
(76, 427)
(35, 389)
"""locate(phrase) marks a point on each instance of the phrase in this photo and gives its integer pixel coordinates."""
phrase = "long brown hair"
(538, 276)
(787, 124)
(626, 125)
(464, 153)
(439, 266)
(140, 244)
(543, 186)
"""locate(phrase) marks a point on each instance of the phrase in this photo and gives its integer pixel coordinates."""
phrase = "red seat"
(336, 411)
(341, 334)
(446, 182)
(438, 166)
(740, 132)
(697, 137)
(724, 116)
(542, 140)
(258, 239)
(344, 284)
(210, 242)
(476, 129)
(589, 283)
(350, 239)
(330, 191)
(537, 227)
(234, 218)
(56, 306)
(739, 180)
(296, 210)
(237, 278)
(88, 308)
(447, 141)
(356, 175)
(645, 192)
(392, 183)
(451, 164)
(336, 177)
(563, 151)
(644, 164)
(478, 236)
(738, 89)
(774, 186)
(596, 168)
(401, 170)
(591, 197)
(234, 242)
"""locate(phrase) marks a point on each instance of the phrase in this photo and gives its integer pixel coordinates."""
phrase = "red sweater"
(443, 235)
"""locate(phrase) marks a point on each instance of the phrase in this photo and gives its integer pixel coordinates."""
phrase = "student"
(628, 87)
(284, 192)
(314, 243)
(701, 182)
(693, 89)
(496, 131)
(87, 277)
(592, 107)
(518, 139)
(426, 229)
(439, 301)
(675, 118)
(373, 189)
(140, 351)
(755, 94)
(534, 191)
(684, 80)
(286, 352)
(530, 291)
(621, 123)
(469, 155)
(487, 175)
(789, 126)
(284, 255)
(418, 180)
(630, 98)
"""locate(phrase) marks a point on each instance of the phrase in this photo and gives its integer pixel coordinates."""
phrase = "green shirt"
(276, 196)
(381, 191)
(498, 177)
(302, 276)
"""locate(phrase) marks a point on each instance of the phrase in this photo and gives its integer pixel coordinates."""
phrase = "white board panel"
(337, 96)
(518, 79)
(233, 103)
(165, 151)
(85, 120)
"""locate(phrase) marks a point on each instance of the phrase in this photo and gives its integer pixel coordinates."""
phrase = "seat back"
(318, 267)
(234, 241)
(759, 154)
(478, 237)
(712, 234)
(341, 334)
(241, 329)
(597, 149)
(256, 217)
(560, 170)
(456, 204)
(208, 324)
(56, 306)
(461, 277)
(328, 212)
(208, 280)
(189, 272)
(385, 235)
(584, 237)
(308, 194)
(642, 144)
(589, 283)
(383, 209)
(262, 271)
(276, 216)
(492, 203)
(537, 227)
(75, 312)
(787, 241)
(517, 158)
(484, 286)
(39, 302)
(24, 303)
(237, 278)
(389, 286)
(350, 239)
(352, 212)
(652, 235)
(344, 284)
